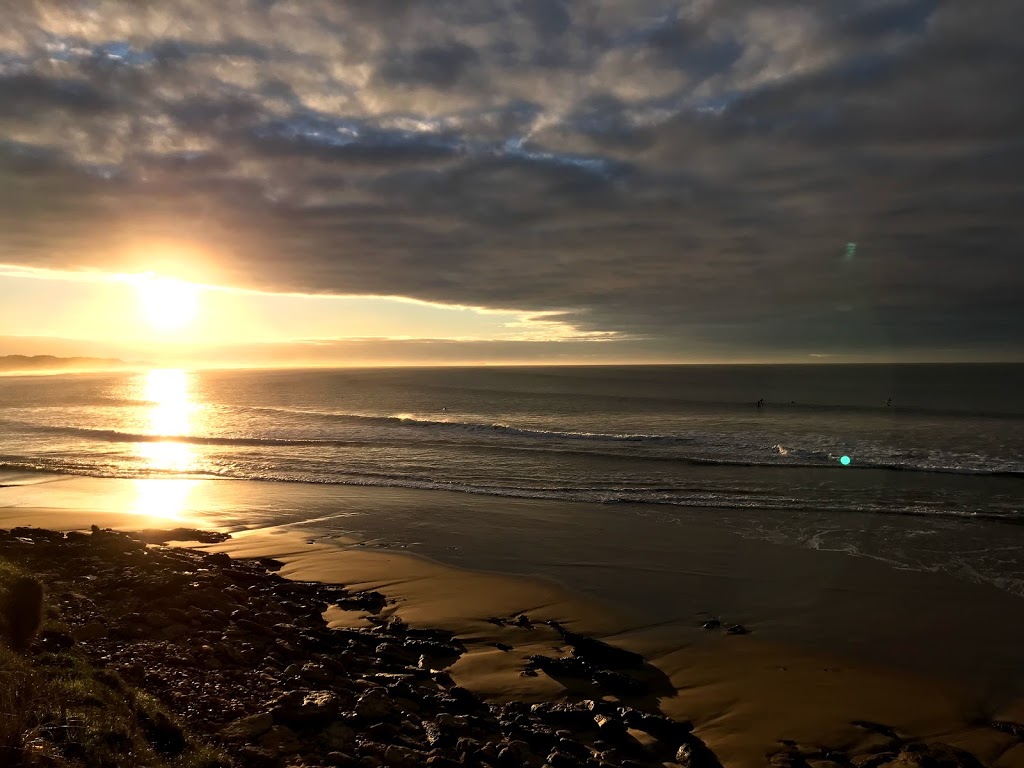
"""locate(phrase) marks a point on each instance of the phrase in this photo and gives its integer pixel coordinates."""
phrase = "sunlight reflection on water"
(164, 498)
(171, 415)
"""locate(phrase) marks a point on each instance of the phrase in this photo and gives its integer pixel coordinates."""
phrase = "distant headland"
(40, 363)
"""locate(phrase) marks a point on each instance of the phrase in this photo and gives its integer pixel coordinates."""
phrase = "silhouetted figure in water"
(888, 403)
(760, 402)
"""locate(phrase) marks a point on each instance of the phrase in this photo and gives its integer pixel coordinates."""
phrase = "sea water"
(758, 449)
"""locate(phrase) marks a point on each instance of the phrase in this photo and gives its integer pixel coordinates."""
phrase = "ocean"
(934, 479)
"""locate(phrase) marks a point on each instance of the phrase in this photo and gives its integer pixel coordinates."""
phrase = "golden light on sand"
(170, 415)
(166, 499)
(167, 304)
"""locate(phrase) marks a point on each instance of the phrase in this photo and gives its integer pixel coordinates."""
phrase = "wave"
(698, 453)
(732, 406)
(117, 436)
(406, 421)
(732, 499)
(412, 421)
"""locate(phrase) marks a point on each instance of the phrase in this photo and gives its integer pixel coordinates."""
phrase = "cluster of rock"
(244, 656)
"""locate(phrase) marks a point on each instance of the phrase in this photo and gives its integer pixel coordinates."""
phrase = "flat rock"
(374, 704)
(247, 728)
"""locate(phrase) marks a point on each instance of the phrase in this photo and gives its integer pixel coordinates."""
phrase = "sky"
(359, 182)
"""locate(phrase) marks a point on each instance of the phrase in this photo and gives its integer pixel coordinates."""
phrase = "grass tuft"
(58, 711)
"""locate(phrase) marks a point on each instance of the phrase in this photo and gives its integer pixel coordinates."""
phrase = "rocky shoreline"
(243, 658)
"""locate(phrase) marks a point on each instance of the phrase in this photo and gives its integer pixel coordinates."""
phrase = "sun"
(167, 304)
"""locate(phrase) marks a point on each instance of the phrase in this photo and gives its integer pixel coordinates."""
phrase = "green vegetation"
(57, 710)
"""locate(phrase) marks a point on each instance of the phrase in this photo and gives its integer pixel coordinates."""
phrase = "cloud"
(688, 172)
(437, 66)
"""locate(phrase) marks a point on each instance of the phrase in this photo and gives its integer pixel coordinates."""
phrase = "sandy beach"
(833, 639)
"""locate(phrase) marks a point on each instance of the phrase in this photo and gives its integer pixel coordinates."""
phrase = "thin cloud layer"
(688, 172)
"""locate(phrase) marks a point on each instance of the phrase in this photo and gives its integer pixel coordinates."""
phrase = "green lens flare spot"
(845, 461)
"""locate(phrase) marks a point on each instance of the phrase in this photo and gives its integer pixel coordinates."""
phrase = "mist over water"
(940, 446)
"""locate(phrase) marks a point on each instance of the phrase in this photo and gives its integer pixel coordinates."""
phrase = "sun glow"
(167, 304)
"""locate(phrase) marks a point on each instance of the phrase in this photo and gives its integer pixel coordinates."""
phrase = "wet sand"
(834, 638)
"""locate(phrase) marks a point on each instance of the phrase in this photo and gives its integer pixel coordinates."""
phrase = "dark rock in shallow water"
(917, 755)
(694, 753)
(433, 649)
(162, 536)
(789, 759)
(712, 624)
(660, 727)
(737, 629)
(372, 602)
(618, 682)
(571, 667)
(1014, 729)
(597, 652)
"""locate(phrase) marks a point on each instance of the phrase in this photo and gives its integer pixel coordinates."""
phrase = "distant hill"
(9, 363)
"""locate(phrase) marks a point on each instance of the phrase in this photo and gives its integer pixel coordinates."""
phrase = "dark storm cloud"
(439, 66)
(32, 93)
(688, 172)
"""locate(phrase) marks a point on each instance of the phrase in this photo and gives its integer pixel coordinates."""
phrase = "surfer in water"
(760, 403)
